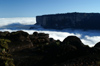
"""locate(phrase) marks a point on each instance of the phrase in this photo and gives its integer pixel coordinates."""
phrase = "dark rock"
(97, 45)
(39, 38)
(35, 33)
(74, 41)
(19, 40)
(51, 39)
(4, 34)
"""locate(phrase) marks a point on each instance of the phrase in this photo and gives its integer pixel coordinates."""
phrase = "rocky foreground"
(21, 49)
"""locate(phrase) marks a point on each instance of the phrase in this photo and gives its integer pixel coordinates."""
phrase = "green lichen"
(5, 57)
(4, 43)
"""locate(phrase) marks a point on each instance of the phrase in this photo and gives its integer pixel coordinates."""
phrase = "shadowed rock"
(73, 40)
(19, 40)
(97, 45)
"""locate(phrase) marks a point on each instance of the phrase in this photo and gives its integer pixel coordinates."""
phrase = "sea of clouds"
(88, 37)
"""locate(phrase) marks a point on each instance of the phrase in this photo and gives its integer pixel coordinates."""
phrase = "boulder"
(97, 45)
(19, 40)
(39, 38)
(73, 40)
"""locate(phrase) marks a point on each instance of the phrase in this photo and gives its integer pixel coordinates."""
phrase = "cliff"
(70, 20)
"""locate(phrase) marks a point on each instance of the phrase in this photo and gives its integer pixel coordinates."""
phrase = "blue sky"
(32, 8)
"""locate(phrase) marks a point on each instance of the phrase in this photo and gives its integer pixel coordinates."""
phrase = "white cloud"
(91, 40)
(21, 20)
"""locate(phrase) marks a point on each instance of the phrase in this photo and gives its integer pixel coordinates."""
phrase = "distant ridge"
(74, 20)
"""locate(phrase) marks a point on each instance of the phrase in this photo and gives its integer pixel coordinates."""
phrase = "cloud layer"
(89, 37)
(21, 20)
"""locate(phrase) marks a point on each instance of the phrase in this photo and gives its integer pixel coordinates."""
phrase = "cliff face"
(70, 20)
